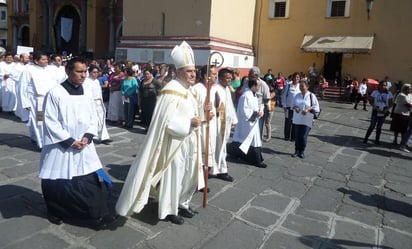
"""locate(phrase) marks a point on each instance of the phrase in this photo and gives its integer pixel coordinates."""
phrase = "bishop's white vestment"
(170, 159)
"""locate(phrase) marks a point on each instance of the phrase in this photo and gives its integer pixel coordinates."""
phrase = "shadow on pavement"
(17, 201)
(338, 243)
(118, 171)
(356, 143)
(381, 202)
(18, 141)
(149, 213)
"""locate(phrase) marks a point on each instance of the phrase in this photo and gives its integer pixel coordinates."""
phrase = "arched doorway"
(25, 36)
(66, 30)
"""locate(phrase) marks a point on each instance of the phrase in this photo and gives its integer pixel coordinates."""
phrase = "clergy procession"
(186, 143)
(63, 101)
(205, 136)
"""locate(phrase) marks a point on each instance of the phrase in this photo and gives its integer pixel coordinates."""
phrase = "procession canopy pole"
(207, 101)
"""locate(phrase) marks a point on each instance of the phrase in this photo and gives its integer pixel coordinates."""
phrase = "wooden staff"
(207, 101)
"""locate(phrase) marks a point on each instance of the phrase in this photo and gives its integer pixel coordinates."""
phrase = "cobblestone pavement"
(344, 194)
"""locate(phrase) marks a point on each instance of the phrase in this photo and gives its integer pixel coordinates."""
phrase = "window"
(278, 8)
(3, 15)
(338, 8)
(25, 6)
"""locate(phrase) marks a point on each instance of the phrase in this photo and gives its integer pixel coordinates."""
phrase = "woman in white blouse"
(304, 106)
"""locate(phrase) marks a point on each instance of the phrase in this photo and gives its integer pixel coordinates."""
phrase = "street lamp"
(369, 4)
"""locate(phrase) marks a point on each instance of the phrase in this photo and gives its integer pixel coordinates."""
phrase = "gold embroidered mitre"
(182, 55)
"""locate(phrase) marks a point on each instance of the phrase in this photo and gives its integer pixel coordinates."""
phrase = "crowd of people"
(187, 112)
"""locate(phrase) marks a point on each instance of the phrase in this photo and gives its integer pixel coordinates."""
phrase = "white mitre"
(182, 55)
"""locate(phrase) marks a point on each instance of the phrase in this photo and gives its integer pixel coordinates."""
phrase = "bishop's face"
(187, 75)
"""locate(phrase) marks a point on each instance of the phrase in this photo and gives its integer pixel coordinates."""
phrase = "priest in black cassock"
(73, 182)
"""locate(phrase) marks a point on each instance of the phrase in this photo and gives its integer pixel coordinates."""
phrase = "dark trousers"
(253, 156)
(375, 122)
(408, 133)
(301, 138)
(147, 106)
(364, 98)
(129, 114)
(289, 129)
(81, 197)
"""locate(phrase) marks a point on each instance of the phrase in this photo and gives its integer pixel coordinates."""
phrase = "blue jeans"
(375, 121)
(301, 138)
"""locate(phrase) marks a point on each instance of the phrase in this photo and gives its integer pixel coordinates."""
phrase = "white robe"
(35, 82)
(60, 72)
(96, 90)
(247, 104)
(68, 116)
(15, 75)
(170, 156)
(201, 92)
(8, 91)
(227, 118)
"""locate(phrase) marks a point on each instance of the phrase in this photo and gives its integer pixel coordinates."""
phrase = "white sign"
(23, 49)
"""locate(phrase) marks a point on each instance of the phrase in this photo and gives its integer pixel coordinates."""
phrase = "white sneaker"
(404, 149)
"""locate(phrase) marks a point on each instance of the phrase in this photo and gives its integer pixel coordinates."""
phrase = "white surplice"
(247, 105)
(224, 120)
(170, 158)
(68, 116)
(8, 92)
(15, 75)
(59, 71)
(35, 82)
(96, 90)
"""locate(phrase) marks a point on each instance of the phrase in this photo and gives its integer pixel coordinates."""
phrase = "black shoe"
(365, 141)
(175, 219)
(187, 213)
(301, 155)
(106, 222)
(225, 177)
(294, 155)
(365, 109)
(377, 143)
(261, 165)
(54, 219)
(106, 141)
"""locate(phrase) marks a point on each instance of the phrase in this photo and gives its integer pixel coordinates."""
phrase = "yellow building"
(60, 26)
(152, 28)
(338, 35)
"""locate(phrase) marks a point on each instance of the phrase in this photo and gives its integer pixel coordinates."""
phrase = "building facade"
(3, 23)
(90, 27)
(363, 38)
(152, 28)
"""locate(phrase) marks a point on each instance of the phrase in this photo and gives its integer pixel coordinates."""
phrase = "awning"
(337, 44)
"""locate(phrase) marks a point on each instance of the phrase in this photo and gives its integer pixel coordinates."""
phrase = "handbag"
(315, 114)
